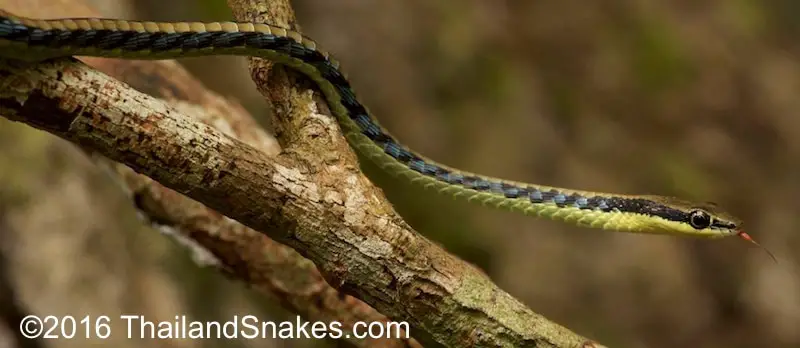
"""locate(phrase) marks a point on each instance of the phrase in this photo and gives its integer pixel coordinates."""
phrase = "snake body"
(36, 40)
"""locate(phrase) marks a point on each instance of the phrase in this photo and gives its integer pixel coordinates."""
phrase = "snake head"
(706, 220)
(709, 216)
(699, 219)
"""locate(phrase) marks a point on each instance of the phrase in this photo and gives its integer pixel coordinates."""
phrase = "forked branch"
(311, 196)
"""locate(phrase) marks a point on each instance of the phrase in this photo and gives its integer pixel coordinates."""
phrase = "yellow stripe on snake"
(37, 40)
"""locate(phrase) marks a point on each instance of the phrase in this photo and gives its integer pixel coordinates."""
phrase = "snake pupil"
(699, 219)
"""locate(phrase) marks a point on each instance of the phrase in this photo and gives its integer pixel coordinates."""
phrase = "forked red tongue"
(747, 237)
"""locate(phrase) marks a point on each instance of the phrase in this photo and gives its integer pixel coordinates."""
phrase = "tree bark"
(311, 196)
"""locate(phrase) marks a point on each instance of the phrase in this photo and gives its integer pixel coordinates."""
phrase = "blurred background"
(685, 98)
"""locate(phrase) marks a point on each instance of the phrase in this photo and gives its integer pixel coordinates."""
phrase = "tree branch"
(240, 252)
(311, 197)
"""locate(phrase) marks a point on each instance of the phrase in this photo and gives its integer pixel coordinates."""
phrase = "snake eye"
(699, 219)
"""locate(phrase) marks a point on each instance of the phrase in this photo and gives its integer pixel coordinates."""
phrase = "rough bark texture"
(311, 197)
(240, 252)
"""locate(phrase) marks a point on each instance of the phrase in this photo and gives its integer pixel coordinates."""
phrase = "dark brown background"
(694, 99)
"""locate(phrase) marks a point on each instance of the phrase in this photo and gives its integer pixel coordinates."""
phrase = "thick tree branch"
(241, 252)
(311, 197)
